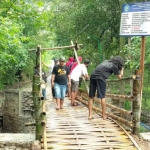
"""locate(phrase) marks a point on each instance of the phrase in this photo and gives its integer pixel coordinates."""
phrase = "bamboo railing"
(130, 119)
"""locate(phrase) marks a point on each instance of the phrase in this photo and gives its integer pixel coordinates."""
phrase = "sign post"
(135, 21)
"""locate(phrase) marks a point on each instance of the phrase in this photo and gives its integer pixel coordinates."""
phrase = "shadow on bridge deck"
(69, 129)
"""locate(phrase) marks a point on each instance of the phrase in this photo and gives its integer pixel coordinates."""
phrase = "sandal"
(75, 104)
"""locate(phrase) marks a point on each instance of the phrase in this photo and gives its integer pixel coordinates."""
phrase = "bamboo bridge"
(69, 128)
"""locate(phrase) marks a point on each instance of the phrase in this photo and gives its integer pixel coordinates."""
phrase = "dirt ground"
(143, 144)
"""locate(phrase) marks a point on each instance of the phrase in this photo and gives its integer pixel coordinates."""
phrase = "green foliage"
(127, 105)
(23, 25)
(26, 24)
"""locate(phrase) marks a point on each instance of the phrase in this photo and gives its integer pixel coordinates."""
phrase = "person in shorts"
(77, 72)
(60, 79)
(98, 81)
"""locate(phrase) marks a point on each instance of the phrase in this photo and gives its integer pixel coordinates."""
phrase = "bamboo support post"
(136, 103)
(119, 119)
(44, 124)
(43, 107)
(44, 139)
(36, 99)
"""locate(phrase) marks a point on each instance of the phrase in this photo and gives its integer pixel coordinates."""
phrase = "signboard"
(135, 19)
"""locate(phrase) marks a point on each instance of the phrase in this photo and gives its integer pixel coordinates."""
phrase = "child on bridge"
(98, 81)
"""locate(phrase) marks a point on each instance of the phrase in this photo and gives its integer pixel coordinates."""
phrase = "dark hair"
(118, 60)
(62, 59)
(55, 60)
(86, 62)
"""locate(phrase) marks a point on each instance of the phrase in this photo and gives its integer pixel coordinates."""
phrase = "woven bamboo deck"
(69, 129)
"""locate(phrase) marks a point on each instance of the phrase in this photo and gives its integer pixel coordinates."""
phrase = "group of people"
(65, 77)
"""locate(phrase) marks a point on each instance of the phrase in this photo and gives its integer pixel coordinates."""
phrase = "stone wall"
(18, 110)
(16, 141)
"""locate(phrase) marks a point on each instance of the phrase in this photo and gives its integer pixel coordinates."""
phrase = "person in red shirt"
(75, 64)
(70, 61)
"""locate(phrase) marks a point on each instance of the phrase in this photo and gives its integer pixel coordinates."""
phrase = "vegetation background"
(95, 23)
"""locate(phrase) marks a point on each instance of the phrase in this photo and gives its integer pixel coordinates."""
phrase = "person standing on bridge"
(98, 81)
(78, 71)
(60, 74)
(55, 62)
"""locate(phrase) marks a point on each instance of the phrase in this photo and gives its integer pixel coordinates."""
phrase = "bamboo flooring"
(70, 129)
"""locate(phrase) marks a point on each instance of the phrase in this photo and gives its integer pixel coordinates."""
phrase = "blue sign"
(135, 19)
(136, 7)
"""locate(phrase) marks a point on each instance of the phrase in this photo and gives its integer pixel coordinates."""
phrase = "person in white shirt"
(78, 71)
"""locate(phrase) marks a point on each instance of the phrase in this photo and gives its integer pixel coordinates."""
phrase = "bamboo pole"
(119, 119)
(36, 98)
(43, 122)
(76, 56)
(120, 97)
(136, 103)
(37, 104)
(123, 79)
(58, 48)
(45, 139)
(40, 62)
(127, 133)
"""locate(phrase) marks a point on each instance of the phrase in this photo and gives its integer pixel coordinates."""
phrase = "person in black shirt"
(98, 81)
(60, 79)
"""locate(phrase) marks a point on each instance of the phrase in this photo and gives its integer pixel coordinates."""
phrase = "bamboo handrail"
(122, 111)
(120, 97)
(125, 122)
(114, 96)
(58, 48)
(123, 79)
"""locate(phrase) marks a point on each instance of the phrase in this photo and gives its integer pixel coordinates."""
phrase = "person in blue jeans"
(60, 79)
